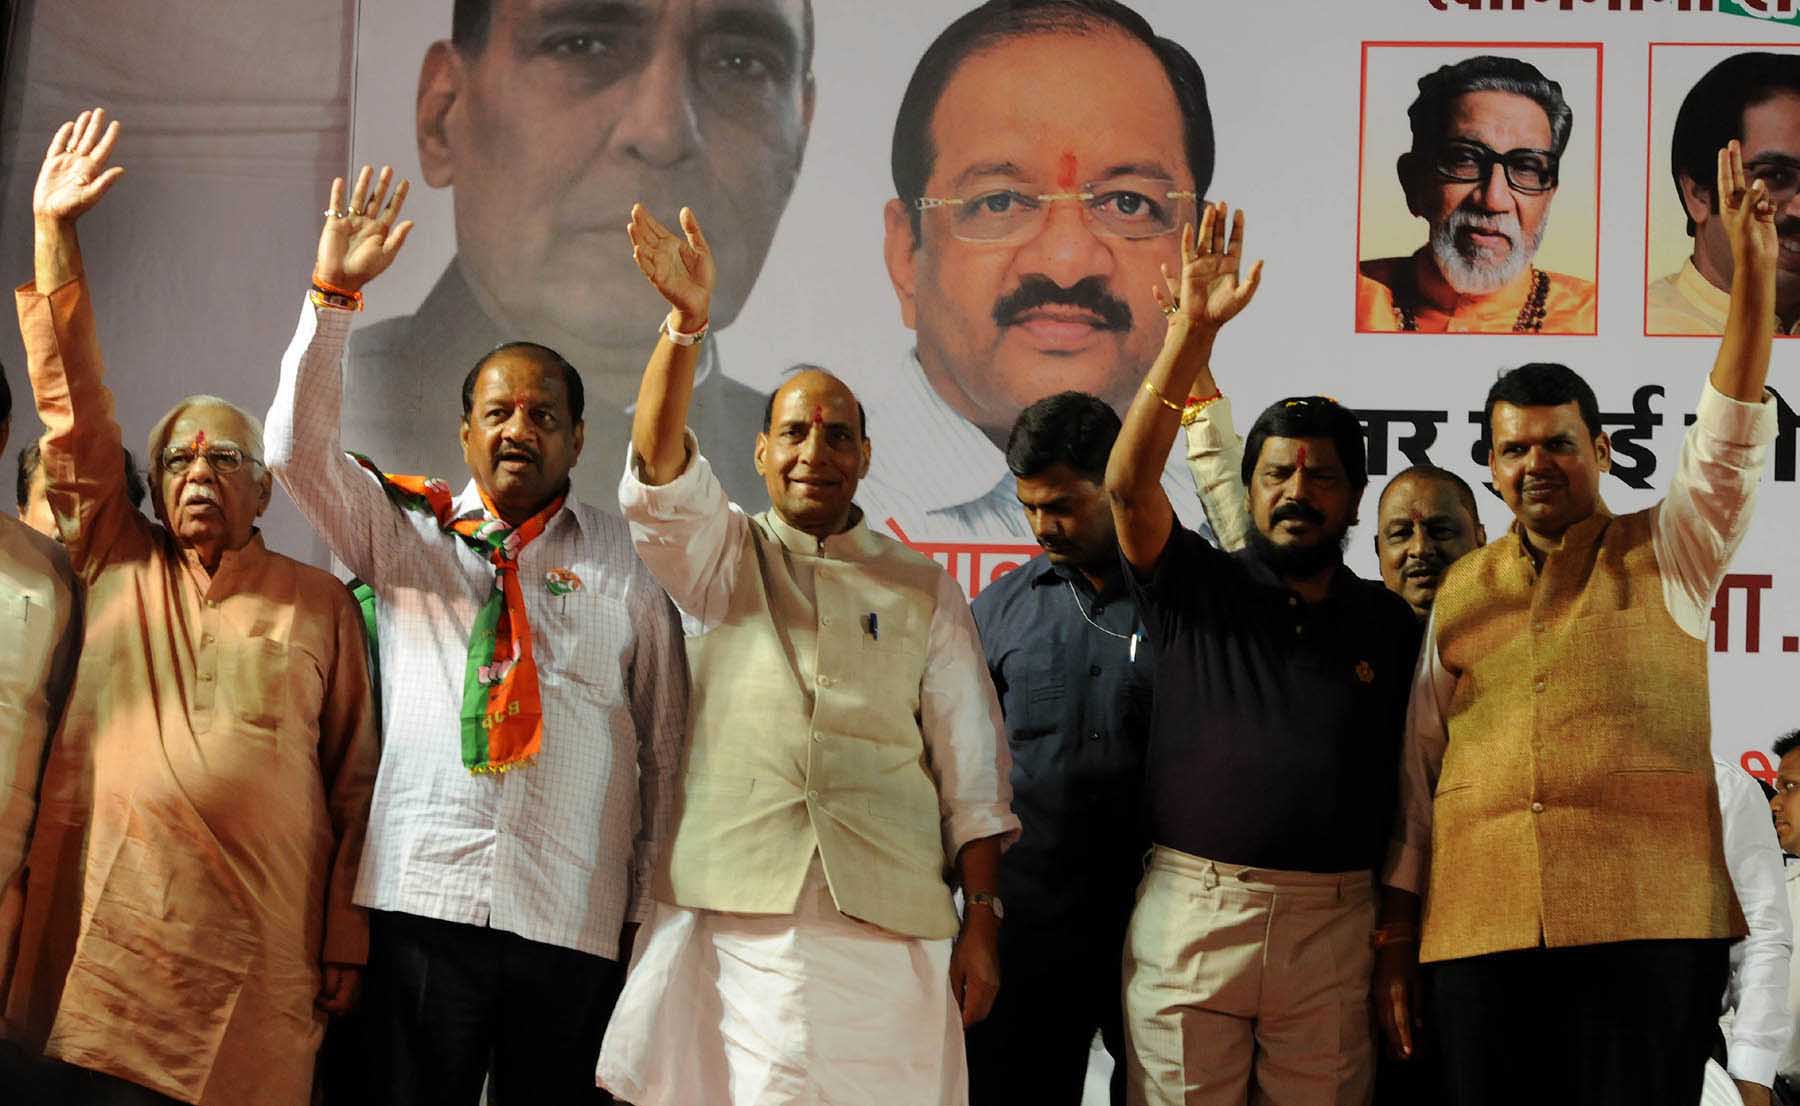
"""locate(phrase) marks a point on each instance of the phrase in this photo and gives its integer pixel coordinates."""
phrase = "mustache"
(1500, 222)
(509, 449)
(1088, 294)
(1301, 511)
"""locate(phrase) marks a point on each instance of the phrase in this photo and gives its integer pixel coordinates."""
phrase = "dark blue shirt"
(1077, 709)
(1276, 737)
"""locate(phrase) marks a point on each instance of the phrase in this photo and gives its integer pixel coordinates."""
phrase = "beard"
(1299, 562)
(1479, 272)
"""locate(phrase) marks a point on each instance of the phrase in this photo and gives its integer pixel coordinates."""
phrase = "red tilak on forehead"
(199, 440)
(521, 401)
(818, 415)
(1301, 461)
(1065, 173)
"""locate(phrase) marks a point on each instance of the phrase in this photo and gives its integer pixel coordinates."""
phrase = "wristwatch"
(989, 900)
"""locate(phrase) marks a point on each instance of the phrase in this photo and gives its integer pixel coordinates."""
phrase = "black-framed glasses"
(177, 459)
(1467, 162)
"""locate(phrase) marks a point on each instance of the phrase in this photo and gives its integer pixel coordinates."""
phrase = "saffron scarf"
(502, 713)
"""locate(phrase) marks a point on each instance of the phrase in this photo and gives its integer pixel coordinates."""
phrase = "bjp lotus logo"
(561, 581)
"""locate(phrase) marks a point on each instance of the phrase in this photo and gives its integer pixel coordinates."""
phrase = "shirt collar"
(854, 544)
(468, 504)
(1577, 537)
(967, 464)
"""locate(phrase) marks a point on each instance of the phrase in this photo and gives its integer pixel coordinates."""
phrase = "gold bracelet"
(1162, 399)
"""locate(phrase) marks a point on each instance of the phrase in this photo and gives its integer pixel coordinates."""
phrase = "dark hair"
(1544, 384)
(1431, 110)
(5, 397)
(30, 457)
(862, 416)
(1464, 494)
(1068, 428)
(470, 21)
(1712, 114)
(1311, 417)
(1786, 744)
(999, 21)
(546, 358)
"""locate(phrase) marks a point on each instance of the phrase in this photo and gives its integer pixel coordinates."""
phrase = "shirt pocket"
(581, 640)
(1038, 695)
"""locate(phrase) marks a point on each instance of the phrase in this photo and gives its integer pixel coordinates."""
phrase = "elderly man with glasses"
(1488, 136)
(188, 922)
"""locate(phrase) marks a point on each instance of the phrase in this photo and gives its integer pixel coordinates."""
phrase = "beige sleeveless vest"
(804, 734)
(1576, 804)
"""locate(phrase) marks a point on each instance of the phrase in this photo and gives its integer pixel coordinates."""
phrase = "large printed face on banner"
(1480, 174)
(1017, 285)
(1751, 96)
(564, 114)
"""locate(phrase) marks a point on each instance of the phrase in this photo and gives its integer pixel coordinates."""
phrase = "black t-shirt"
(1275, 739)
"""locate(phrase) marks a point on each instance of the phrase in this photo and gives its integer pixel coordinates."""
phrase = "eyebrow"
(586, 12)
(1774, 160)
(1150, 169)
(988, 169)
(754, 21)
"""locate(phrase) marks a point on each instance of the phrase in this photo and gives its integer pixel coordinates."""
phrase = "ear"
(265, 491)
(762, 447)
(1697, 198)
(1603, 451)
(441, 81)
(1406, 168)
(1480, 534)
(901, 253)
(868, 455)
(576, 440)
(462, 434)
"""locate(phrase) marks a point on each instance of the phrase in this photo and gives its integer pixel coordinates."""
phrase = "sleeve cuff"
(1733, 420)
(1405, 868)
(679, 498)
(1211, 431)
(1751, 1064)
(992, 821)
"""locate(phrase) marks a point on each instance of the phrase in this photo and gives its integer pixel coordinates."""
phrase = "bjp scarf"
(502, 713)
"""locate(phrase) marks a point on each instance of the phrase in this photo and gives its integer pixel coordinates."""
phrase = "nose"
(1065, 248)
(658, 126)
(1495, 193)
(1419, 545)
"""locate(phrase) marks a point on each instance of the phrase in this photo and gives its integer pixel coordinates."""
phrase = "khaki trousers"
(1248, 985)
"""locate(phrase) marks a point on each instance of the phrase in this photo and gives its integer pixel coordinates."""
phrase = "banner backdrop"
(537, 141)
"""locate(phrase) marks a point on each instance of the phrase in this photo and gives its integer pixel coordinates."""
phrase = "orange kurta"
(1568, 305)
(203, 806)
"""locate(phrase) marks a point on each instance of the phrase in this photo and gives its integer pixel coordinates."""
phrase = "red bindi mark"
(1417, 516)
(1301, 457)
(1065, 173)
(199, 441)
(818, 416)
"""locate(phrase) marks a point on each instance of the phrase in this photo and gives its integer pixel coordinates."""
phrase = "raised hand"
(1747, 212)
(360, 238)
(74, 175)
(680, 268)
(1208, 292)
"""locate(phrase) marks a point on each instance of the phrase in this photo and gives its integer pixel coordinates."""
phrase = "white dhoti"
(811, 1008)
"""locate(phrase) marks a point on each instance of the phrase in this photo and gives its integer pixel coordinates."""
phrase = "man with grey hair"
(1488, 135)
(188, 922)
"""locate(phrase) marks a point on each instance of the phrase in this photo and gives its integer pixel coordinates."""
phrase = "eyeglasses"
(1467, 162)
(1130, 208)
(177, 459)
(1780, 175)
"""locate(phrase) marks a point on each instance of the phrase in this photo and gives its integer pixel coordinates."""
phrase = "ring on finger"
(1169, 309)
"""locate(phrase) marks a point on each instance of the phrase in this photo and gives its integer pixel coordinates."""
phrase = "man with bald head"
(1426, 519)
(188, 919)
(844, 772)
(533, 695)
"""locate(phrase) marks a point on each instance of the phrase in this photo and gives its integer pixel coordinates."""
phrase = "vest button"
(812, 795)
(1541, 686)
(825, 620)
(1537, 808)
(818, 737)
(824, 680)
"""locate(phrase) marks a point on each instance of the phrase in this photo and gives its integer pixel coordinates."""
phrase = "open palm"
(360, 238)
(1208, 292)
(680, 266)
(74, 175)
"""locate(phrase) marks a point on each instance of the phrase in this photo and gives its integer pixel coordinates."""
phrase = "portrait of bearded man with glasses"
(1488, 136)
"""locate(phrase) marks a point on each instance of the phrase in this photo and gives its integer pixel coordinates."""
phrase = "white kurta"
(799, 1009)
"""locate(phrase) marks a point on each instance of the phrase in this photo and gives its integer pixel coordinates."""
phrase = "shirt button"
(812, 795)
(1538, 627)
(1537, 808)
(1293, 601)
(1095, 736)
(824, 680)
(1540, 686)
(213, 603)
(818, 737)
(1098, 607)
(1093, 670)
(825, 620)
(1300, 631)
(206, 639)
(206, 677)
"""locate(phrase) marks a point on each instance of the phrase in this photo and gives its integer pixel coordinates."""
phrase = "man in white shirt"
(844, 765)
(1787, 831)
(1757, 994)
(505, 883)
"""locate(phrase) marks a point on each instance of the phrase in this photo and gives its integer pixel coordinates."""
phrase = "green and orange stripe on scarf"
(502, 712)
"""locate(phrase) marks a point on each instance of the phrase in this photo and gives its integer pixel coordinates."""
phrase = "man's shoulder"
(1571, 290)
(1000, 596)
(36, 551)
(315, 590)
(1384, 271)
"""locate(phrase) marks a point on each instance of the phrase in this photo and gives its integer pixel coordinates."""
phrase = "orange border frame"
(1362, 101)
(1649, 146)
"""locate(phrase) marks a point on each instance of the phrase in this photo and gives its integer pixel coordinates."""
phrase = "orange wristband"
(333, 290)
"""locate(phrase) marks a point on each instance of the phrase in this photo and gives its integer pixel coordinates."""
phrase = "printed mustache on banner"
(1089, 294)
